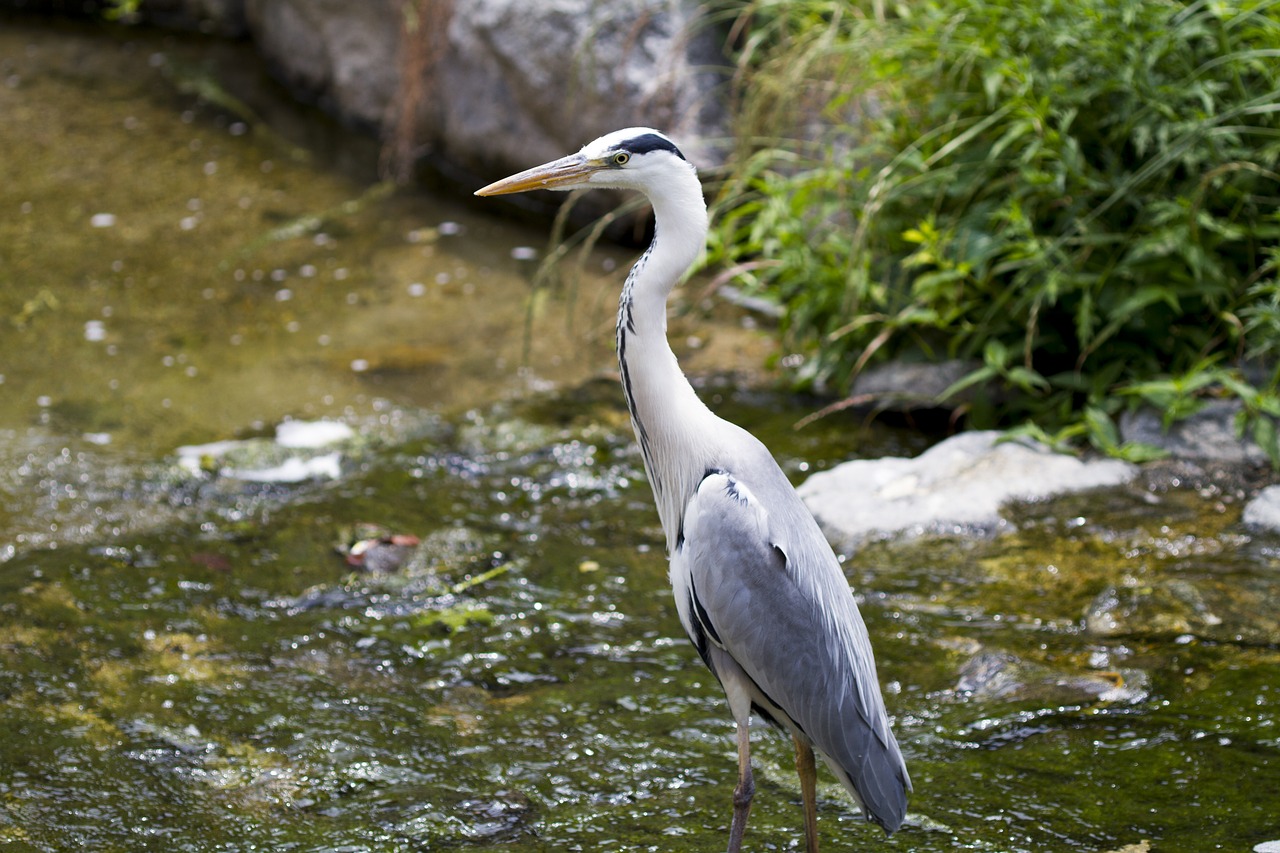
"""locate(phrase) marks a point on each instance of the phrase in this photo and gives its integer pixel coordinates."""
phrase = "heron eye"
(621, 158)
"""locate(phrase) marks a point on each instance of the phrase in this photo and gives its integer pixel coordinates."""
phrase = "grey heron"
(758, 589)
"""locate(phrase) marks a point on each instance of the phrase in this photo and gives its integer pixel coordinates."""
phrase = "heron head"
(632, 158)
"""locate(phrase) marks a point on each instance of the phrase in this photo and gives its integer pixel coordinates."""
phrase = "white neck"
(672, 425)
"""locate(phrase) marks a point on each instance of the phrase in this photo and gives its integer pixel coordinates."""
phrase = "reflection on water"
(191, 661)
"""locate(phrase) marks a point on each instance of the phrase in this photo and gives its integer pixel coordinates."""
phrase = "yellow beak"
(565, 172)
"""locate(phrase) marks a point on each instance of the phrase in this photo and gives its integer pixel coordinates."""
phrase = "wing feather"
(765, 584)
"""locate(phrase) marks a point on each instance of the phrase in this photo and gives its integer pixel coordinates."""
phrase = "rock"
(1209, 434)
(959, 484)
(529, 82)
(1263, 512)
(292, 457)
(1167, 609)
(327, 466)
(310, 434)
(1232, 609)
(903, 386)
(512, 83)
(339, 54)
(493, 817)
(1241, 610)
(1004, 676)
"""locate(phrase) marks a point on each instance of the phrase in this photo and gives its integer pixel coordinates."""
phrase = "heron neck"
(671, 424)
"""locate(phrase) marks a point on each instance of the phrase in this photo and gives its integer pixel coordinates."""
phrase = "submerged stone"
(293, 456)
(496, 816)
(1239, 612)
(321, 433)
(327, 466)
(1005, 676)
(1172, 608)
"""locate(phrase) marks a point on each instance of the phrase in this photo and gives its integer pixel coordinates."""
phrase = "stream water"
(188, 663)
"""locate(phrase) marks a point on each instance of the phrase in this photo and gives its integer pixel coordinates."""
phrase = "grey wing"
(764, 587)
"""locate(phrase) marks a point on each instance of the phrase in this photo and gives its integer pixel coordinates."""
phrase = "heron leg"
(808, 792)
(745, 789)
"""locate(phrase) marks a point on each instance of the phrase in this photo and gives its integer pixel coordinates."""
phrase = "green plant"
(1079, 197)
(126, 11)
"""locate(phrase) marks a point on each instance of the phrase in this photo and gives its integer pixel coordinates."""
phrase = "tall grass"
(1081, 197)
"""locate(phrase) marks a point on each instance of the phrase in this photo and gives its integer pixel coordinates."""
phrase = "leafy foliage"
(1080, 197)
(125, 11)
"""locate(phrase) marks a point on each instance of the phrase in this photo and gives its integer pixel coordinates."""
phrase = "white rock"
(293, 470)
(1263, 512)
(190, 455)
(287, 459)
(960, 483)
(312, 433)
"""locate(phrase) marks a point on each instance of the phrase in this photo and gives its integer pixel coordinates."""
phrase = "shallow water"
(175, 272)
(187, 662)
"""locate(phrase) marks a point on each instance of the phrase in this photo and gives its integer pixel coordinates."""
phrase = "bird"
(758, 589)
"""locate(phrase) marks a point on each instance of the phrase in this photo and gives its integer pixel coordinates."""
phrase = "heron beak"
(566, 172)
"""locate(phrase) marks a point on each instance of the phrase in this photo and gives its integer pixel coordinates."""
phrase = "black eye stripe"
(651, 142)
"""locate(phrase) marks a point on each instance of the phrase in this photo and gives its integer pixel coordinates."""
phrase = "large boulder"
(339, 54)
(502, 84)
(530, 81)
